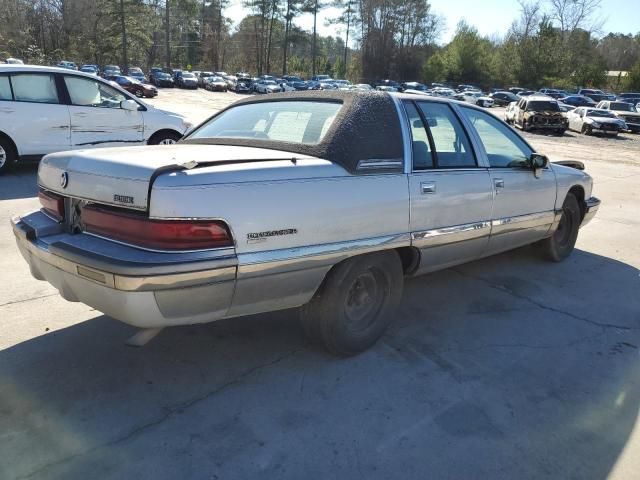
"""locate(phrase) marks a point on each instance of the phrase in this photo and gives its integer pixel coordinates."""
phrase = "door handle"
(498, 183)
(427, 187)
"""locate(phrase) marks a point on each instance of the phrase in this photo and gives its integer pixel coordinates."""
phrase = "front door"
(450, 193)
(523, 206)
(97, 119)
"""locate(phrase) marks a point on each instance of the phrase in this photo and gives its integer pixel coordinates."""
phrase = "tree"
(632, 82)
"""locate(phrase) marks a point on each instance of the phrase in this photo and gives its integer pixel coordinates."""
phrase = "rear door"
(33, 115)
(450, 192)
(97, 118)
(524, 203)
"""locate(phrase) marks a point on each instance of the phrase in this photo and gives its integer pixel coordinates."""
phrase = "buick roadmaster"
(321, 201)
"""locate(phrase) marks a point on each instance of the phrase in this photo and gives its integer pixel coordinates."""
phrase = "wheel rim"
(562, 235)
(3, 157)
(167, 141)
(364, 300)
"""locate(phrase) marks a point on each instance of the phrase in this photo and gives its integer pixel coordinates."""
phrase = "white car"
(475, 97)
(626, 112)
(47, 109)
(267, 86)
(510, 113)
(591, 120)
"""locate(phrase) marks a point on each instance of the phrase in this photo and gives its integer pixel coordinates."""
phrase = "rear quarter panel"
(320, 201)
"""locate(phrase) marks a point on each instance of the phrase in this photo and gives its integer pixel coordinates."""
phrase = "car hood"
(605, 120)
(123, 176)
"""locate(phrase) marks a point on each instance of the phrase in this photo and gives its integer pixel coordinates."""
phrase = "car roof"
(540, 98)
(41, 69)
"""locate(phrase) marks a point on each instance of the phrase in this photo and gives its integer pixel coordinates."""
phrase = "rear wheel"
(560, 245)
(139, 93)
(7, 155)
(355, 304)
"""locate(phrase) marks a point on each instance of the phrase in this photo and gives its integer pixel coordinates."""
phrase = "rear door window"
(34, 87)
(422, 157)
(451, 143)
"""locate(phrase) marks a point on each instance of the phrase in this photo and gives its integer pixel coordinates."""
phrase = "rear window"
(542, 106)
(37, 88)
(5, 88)
(297, 122)
(623, 106)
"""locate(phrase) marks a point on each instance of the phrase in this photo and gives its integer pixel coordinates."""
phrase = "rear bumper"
(139, 288)
(591, 207)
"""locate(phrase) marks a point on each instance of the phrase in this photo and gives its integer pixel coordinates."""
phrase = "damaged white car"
(45, 110)
(319, 200)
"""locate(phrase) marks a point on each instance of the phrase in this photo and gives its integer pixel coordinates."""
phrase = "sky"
(490, 17)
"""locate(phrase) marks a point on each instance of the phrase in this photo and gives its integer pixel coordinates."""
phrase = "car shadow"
(19, 182)
(508, 367)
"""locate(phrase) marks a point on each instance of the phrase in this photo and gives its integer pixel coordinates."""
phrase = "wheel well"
(578, 192)
(164, 130)
(11, 142)
(410, 258)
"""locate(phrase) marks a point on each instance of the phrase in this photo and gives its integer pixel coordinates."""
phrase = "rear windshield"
(542, 106)
(287, 121)
(188, 75)
(624, 106)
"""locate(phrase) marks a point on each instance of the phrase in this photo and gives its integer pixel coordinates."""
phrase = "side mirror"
(129, 105)
(538, 162)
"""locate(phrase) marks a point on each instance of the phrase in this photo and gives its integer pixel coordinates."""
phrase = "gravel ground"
(505, 368)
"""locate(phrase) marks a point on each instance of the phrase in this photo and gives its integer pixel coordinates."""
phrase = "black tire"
(355, 304)
(586, 130)
(560, 245)
(8, 155)
(139, 93)
(164, 138)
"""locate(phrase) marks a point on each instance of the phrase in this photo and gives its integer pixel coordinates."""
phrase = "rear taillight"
(52, 204)
(156, 234)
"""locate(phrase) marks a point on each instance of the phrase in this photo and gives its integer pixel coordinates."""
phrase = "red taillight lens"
(156, 234)
(52, 204)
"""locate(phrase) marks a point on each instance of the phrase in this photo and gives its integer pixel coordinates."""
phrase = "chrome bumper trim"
(29, 246)
(592, 204)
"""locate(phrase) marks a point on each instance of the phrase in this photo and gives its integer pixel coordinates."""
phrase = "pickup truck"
(323, 201)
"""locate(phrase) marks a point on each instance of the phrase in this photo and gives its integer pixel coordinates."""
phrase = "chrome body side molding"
(454, 234)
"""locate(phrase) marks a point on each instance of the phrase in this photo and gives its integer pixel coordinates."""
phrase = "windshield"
(296, 122)
(215, 79)
(188, 75)
(269, 82)
(600, 113)
(542, 106)
(623, 106)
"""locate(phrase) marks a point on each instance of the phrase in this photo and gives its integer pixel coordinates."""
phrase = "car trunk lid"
(123, 176)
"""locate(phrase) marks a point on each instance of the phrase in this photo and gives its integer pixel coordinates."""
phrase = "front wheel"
(586, 130)
(560, 245)
(355, 304)
(164, 138)
(139, 93)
